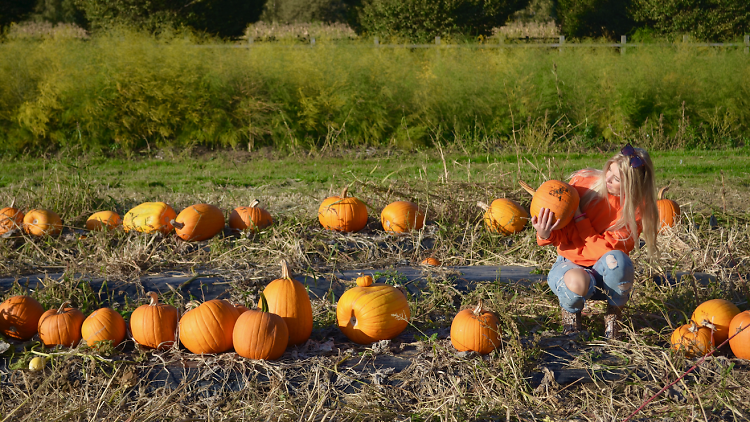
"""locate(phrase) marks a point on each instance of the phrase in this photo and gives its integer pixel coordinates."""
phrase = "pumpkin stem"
(343, 192)
(693, 327)
(154, 298)
(62, 307)
(263, 303)
(483, 206)
(175, 224)
(285, 270)
(527, 187)
(662, 191)
(708, 324)
(478, 309)
(254, 204)
(192, 305)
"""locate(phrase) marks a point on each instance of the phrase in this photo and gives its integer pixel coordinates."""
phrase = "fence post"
(747, 44)
(562, 41)
(623, 41)
(685, 38)
(437, 40)
(377, 41)
(250, 41)
(312, 41)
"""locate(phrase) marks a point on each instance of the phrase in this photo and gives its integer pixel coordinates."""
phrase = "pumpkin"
(250, 218)
(19, 317)
(367, 314)
(364, 280)
(504, 216)
(42, 222)
(342, 213)
(475, 330)
(10, 219)
(716, 312)
(208, 328)
(669, 210)
(104, 324)
(61, 326)
(401, 217)
(154, 325)
(259, 334)
(241, 308)
(149, 217)
(693, 339)
(739, 335)
(103, 220)
(288, 299)
(198, 222)
(38, 363)
(430, 262)
(559, 197)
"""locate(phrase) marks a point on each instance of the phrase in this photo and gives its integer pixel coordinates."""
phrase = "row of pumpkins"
(712, 323)
(340, 213)
(366, 313)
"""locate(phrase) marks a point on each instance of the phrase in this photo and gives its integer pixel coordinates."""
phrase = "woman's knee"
(577, 281)
(619, 273)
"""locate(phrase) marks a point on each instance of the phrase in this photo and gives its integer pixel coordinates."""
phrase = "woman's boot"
(571, 322)
(612, 322)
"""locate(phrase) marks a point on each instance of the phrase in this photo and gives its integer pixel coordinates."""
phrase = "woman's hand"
(543, 223)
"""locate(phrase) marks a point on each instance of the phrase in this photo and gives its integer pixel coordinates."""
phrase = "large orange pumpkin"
(19, 317)
(104, 324)
(669, 210)
(475, 330)
(42, 222)
(343, 213)
(559, 197)
(149, 217)
(10, 219)
(288, 299)
(739, 335)
(694, 340)
(716, 312)
(504, 216)
(401, 217)
(61, 326)
(251, 218)
(259, 334)
(367, 314)
(154, 325)
(208, 328)
(198, 222)
(103, 220)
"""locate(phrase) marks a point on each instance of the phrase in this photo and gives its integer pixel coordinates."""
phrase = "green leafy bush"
(711, 20)
(595, 18)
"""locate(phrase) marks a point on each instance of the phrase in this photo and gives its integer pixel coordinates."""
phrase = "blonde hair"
(637, 196)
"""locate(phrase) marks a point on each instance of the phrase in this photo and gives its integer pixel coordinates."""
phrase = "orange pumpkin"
(19, 317)
(504, 216)
(241, 308)
(103, 220)
(10, 219)
(251, 218)
(694, 340)
(739, 335)
(154, 325)
(716, 312)
(149, 217)
(288, 299)
(103, 324)
(208, 328)
(367, 314)
(61, 326)
(401, 217)
(198, 222)
(42, 222)
(364, 280)
(669, 210)
(559, 197)
(430, 262)
(259, 334)
(342, 213)
(475, 330)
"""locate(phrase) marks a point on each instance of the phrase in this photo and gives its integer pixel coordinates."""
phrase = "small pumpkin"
(475, 330)
(343, 213)
(364, 280)
(149, 217)
(42, 222)
(430, 262)
(38, 363)
(61, 326)
(252, 218)
(559, 197)
(104, 324)
(504, 216)
(10, 219)
(288, 299)
(401, 217)
(669, 210)
(19, 317)
(154, 325)
(693, 339)
(208, 328)
(366, 314)
(198, 222)
(716, 312)
(259, 334)
(104, 220)
(739, 335)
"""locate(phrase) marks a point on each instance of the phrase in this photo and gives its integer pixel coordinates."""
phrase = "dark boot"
(571, 322)
(612, 322)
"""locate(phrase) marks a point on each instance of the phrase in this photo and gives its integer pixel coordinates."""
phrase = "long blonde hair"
(637, 196)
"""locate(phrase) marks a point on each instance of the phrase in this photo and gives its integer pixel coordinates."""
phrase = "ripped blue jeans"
(612, 278)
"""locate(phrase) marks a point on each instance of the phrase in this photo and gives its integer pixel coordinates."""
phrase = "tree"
(15, 11)
(710, 20)
(595, 18)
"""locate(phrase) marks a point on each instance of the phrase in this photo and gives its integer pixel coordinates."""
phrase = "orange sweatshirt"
(586, 241)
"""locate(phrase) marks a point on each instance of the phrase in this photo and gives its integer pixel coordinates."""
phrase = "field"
(332, 378)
